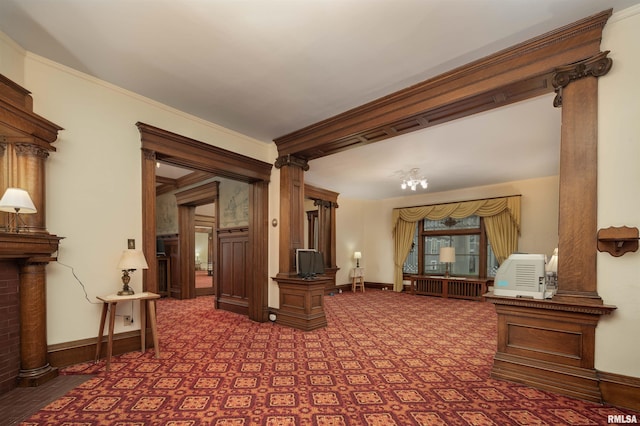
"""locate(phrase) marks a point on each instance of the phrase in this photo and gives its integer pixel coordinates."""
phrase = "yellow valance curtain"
(502, 223)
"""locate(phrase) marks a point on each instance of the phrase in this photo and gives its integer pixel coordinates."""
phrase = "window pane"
(492, 262)
(432, 246)
(411, 263)
(471, 222)
(467, 252)
(467, 255)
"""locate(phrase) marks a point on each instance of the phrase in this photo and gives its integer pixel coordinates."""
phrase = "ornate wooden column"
(577, 94)
(25, 143)
(550, 344)
(301, 301)
(291, 211)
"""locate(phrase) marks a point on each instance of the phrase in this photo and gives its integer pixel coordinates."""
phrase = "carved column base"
(302, 302)
(548, 344)
(37, 376)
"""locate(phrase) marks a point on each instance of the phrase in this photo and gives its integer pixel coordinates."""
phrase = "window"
(474, 257)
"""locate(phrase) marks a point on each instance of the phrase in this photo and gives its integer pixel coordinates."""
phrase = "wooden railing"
(455, 287)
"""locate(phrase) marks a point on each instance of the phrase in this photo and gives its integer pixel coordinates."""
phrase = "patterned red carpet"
(384, 359)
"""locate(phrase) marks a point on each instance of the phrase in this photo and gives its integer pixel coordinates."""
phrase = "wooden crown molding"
(18, 121)
(524, 71)
(193, 154)
(315, 193)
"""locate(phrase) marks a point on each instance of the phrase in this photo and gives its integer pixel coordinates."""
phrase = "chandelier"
(412, 179)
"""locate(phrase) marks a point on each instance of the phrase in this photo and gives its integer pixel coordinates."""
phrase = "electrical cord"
(84, 289)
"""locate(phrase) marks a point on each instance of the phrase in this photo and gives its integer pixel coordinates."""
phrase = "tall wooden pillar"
(550, 344)
(577, 95)
(291, 211)
(301, 301)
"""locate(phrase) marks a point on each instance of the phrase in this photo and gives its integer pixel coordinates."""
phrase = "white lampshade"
(447, 254)
(16, 200)
(357, 255)
(132, 260)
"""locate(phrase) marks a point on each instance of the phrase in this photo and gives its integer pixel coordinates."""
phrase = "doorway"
(171, 148)
(205, 250)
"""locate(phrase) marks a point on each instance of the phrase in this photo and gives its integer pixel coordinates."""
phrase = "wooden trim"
(190, 153)
(315, 193)
(158, 144)
(619, 390)
(84, 350)
(18, 119)
(258, 245)
(511, 75)
(199, 195)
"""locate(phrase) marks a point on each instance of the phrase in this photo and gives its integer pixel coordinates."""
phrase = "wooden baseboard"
(619, 390)
(581, 383)
(79, 351)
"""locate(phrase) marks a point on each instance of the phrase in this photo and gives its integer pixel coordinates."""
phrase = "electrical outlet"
(128, 320)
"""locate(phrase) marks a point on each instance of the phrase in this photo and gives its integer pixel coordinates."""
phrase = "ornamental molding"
(596, 66)
(551, 305)
(290, 160)
(27, 149)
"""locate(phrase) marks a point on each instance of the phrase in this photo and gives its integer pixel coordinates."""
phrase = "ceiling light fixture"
(412, 179)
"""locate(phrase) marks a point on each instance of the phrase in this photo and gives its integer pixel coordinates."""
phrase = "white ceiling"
(266, 68)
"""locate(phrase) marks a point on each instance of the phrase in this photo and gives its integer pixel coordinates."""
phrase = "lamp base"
(126, 291)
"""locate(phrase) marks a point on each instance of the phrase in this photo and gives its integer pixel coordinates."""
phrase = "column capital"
(290, 160)
(595, 66)
(31, 150)
(326, 204)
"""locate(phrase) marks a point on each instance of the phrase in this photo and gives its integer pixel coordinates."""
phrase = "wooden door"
(172, 250)
(233, 274)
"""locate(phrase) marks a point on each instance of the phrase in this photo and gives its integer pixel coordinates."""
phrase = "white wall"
(617, 342)
(94, 182)
(366, 225)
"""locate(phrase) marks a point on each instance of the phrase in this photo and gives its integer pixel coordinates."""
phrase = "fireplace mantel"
(26, 140)
(28, 247)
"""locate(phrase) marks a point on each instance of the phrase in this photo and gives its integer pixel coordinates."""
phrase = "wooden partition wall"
(567, 61)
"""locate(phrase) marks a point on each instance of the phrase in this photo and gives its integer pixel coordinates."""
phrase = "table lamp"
(129, 262)
(16, 200)
(447, 256)
(357, 256)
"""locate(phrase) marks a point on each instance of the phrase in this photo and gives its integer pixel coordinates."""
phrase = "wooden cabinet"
(454, 287)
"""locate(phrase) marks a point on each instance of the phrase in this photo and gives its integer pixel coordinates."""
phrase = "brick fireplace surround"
(9, 325)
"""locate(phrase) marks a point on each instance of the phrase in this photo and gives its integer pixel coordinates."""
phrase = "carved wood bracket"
(618, 240)
(595, 66)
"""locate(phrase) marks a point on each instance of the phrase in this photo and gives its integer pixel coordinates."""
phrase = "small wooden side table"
(147, 302)
(357, 279)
